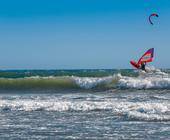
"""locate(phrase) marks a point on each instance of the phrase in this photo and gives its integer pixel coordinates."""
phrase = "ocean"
(84, 104)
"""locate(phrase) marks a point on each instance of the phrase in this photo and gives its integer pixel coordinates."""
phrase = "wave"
(147, 111)
(156, 80)
(63, 82)
(37, 82)
(145, 83)
(103, 82)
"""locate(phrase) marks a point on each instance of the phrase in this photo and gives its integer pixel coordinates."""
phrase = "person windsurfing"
(146, 58)
(142, 67)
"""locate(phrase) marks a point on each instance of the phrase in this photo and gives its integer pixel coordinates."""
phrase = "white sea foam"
(152, 80)
(150, 111)
(145, 82)
(91, 82)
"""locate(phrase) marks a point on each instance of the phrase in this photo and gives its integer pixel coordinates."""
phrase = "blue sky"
(77, 34)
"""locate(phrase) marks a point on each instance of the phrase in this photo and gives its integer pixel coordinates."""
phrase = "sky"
(82, 34)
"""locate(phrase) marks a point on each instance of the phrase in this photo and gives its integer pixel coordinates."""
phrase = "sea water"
(84, 104)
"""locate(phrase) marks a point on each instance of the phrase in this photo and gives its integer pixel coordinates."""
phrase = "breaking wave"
(148, 111)
(156, 80)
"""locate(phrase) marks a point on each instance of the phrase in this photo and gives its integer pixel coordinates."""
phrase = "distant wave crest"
(156, 80)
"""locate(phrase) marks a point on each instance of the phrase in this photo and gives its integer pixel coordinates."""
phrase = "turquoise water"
(46, 73)
(84, 104)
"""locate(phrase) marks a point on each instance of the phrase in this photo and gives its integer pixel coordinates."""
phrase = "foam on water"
(105, 114)
(89, 82)
(148, 111)
(155, 79)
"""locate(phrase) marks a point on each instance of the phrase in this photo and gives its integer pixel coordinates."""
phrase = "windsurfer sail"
(146, 58)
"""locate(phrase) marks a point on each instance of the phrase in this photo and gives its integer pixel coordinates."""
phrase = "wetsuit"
(143, 66)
